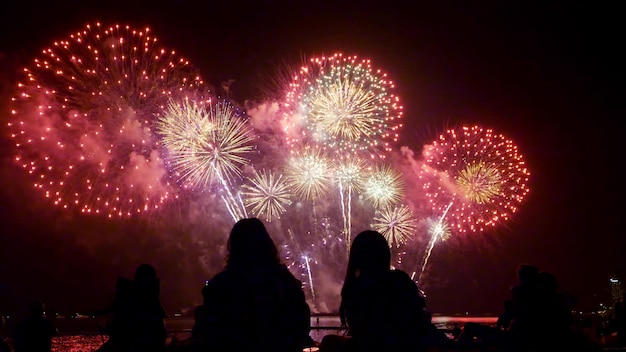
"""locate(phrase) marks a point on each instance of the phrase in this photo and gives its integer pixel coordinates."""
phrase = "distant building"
(616, 289)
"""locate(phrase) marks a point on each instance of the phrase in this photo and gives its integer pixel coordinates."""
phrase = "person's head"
(145, 273)
(36, 309)
(146, 282)
(547, 281)
(527, 273)
(369, 254)
(508, 305)
(250, 245)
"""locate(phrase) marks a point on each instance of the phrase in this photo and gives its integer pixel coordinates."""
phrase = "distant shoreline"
(87, 325)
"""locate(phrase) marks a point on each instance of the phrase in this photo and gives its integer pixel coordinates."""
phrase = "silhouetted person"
(382, 308)
(556, 319)
(201, 315)
(137, 322)
(434, 338)
(505, 318)
(34, 334)
(148, 313)
(4, 346)
(542, 319)
(255, 303)
(525, 295)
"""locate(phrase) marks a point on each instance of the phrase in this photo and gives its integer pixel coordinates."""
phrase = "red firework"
(478, 176)
(83, 119)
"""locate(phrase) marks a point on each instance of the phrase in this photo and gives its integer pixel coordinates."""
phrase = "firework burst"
(349, 174)
(267, 195)
(308, 174)
(383, 187)
(345, 106)
(206, 144)
(481, 173)
(83, 119)
(397, 224)
(438, 229)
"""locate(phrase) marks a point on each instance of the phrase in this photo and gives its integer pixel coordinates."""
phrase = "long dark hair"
(250, 245)
(369, 255)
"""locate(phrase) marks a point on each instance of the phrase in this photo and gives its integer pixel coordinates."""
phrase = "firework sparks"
(308, 174)
(346, 106)
(479, 182)
(397, 224)
(383, 187)
(349, 174)
(267, 195)
(206, 146)
(482, 174)
(438, 229)
(83, 119)
(204, 143)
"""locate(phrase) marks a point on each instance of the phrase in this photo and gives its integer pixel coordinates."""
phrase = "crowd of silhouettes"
(137, 316)
(536, 317)
(256, 304)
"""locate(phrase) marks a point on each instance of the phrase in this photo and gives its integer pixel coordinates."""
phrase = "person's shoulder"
(284, 270)
(285, 276)
(400, 281)
(227, 279)
(224, 275)
(200, 311)
(400, 275)
(51, 327)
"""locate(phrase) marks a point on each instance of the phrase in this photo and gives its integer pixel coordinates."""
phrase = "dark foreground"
(82, 334)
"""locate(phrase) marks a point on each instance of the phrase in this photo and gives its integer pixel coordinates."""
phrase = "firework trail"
(304, 261)
(83, 119)
(480, 173)
(349, 178)
(344, 106)
(437, 232)
(207, 144)
(267, 195)
(310, 277)
(397, 224)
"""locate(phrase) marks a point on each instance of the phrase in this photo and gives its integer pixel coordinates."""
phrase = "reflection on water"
(89, 341)
(77, 343)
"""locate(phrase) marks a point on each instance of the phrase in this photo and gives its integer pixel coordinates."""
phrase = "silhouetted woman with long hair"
(255, 303)
(381, 307)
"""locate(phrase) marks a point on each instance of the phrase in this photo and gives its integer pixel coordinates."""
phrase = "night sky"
(548, 75)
